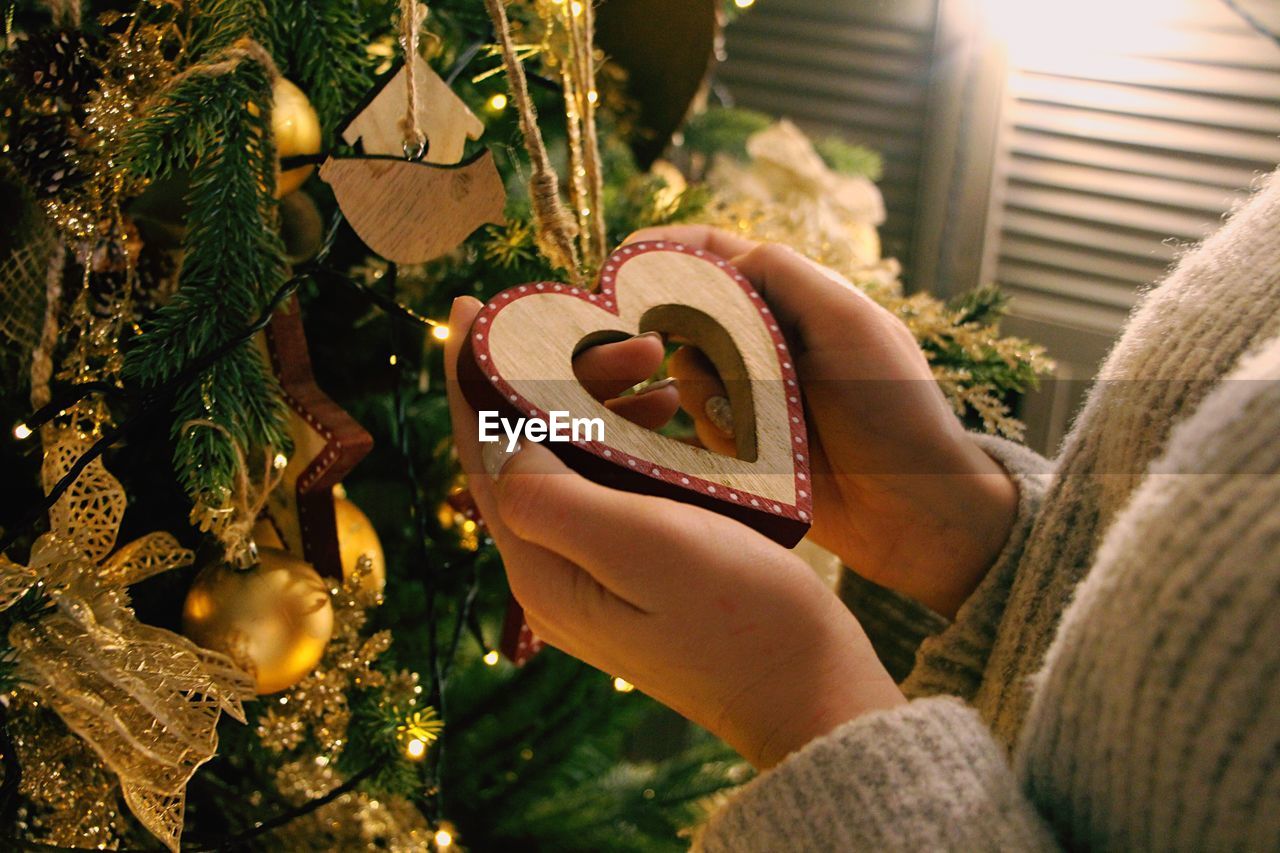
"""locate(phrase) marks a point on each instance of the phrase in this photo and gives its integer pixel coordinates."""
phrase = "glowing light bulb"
(444, 838)
(576, 8)
(744, 4)
(491, 658)
(280, 461)
(415, 748)
(392, 360)
(21, 432)
(593, 96)
(497, 102)
(440, 332)
(621, 685)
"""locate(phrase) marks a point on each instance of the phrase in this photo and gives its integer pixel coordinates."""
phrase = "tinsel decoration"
(307, 726)
(72, 799)
(59, 63)
(146, 700)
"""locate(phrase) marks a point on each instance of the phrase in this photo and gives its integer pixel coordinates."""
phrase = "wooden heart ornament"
(518, 361)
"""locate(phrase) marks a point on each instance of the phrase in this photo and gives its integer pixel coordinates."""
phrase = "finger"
(723, 243)
(541, 580)
(609, 369)
(638, 547)
(465, 429)
(704, 397)
(651, 407)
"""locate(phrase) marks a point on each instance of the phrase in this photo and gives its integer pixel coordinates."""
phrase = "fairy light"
(497, 102)
(440, 332)
(576, 8)
(593, 96)
(280, 461)
(491, 658)
(418, 732)
(393, 360)
(621, 685)
(744, 4)
(22, 432)
(444, 836)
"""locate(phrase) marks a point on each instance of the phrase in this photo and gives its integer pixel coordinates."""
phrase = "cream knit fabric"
(1114, 682)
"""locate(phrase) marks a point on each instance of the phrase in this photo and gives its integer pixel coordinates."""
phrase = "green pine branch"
(218, 125)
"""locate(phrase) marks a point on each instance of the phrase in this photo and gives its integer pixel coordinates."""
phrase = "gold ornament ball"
(356, 538)
(273, 620)
(296, 129)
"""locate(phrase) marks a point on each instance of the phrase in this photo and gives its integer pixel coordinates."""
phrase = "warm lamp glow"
(440, 332)
(1087, 36)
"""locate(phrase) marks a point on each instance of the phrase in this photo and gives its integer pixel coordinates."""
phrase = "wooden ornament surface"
(519, 358)
(411, 212)
(327, 444)
(447, 122)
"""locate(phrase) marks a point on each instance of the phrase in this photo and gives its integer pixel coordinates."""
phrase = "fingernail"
(720, 413)
(651, 334)
(494, 456)
(657, 386)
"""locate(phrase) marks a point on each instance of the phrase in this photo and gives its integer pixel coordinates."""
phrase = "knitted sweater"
(1114, 681)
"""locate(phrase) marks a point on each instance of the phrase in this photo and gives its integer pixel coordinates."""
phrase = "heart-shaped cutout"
(518, 361)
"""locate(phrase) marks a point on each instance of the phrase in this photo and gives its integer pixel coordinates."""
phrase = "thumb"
(816, 307)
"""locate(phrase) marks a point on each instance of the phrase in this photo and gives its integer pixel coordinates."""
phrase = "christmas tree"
(201, 338)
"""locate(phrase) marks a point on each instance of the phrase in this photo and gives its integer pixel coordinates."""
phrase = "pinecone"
(43, 151)
(60, 63)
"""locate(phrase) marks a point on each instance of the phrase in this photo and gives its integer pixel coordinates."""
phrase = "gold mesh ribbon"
(145, 699)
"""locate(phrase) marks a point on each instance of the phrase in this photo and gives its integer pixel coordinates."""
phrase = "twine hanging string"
(412, 14)
(233, 525)
(555, 229)
(580, 24)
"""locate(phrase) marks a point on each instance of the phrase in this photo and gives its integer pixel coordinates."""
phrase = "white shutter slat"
(1206, 170)
(1141, 245)
(1132, 130)
(1107, 182)
(1110, 212)
(1147, 102)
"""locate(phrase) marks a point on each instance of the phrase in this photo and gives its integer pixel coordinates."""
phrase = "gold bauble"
(273, 620)
(296, 129)
(357, 538)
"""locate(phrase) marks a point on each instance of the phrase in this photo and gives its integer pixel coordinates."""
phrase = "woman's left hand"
(697, 610)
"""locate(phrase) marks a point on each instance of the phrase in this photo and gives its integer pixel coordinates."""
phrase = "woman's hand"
(902, 494)
(703, 614)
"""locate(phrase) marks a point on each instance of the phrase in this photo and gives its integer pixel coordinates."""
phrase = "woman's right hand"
(902, 494)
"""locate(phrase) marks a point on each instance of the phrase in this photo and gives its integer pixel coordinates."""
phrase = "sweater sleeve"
(925, 776)
(952, 661)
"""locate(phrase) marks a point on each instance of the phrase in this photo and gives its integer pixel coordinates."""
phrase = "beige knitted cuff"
(925, 776)
(952, 662)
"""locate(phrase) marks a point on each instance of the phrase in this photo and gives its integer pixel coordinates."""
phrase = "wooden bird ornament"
(518, 361)
(411, 211)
